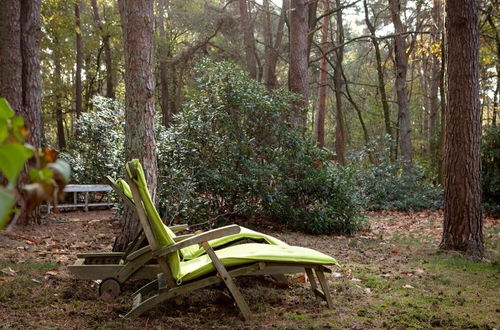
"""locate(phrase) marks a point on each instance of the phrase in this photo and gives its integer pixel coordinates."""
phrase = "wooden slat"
(86, 187)
(197, 239)
(228, 280)
(81, 205)
(99, 254)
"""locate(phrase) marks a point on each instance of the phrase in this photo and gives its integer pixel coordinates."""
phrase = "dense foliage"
(491, 169)
(97, 149)
(386, 186)
(233, 154)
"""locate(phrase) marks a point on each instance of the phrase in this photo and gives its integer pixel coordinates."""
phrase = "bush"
(97, 149)
(233, 154)
(386, 186)
(491, 170)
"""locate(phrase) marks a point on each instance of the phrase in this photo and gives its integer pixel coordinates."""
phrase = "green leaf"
(12, 159)
(6, 202)
(4, 130)
(5, 109)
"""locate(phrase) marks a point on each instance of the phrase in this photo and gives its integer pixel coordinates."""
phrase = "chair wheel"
(110, 288)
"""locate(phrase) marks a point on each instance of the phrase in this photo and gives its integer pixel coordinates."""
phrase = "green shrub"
(233, 154)
(97, 149)
(491, 170)
(386, 186)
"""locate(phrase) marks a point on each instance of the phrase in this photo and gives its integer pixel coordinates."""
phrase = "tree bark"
(340, 136)
(248, 39)
(137, 26)
(79, 61)
(270, 71)
(10, 54)
(110, 89)
(298, 76)
(163, 55)
(463, 228)
(401, 61)
(380, 77)
(322, 80)
(61, 137)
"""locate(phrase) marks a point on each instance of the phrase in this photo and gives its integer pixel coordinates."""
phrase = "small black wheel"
(110, 288)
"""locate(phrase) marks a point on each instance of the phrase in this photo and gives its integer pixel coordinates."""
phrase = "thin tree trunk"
(463, 226)
(163, 54)
(380, 76)
(270, 73)
(61, 136)
(137, 26)
(110, 89)
(79, 60)
(401, 61)
(298, 76)
(442, 107)
(322, 80)
(248, 39)
(340, 135)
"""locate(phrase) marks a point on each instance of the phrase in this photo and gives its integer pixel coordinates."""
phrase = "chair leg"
(310, 276)
(324, 285)
(228, 280)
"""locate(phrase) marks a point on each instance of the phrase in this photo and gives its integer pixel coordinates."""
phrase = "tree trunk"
(61, 137)
(248, 39)
(163, 55)
(401, 61)
(322, 80)
(298, 76)
(380, 76)
(137, 26)
(340, 136)
(463, 228)
(270, 73)
(10, 54)
(79, 61)
(32, 89)
(110, 90)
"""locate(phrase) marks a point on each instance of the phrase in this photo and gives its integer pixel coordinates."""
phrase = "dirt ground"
(392, 276)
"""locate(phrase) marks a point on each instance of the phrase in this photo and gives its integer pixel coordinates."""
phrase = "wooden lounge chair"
(137, 261)
(182, 277)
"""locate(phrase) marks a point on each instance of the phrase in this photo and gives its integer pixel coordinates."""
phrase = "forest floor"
(392, 276)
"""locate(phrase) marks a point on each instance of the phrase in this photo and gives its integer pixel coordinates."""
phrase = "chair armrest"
(183, 237)
(178, 228)
(198, 239)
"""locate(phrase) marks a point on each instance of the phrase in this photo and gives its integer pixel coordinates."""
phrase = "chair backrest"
(157, 234)
(122, 189)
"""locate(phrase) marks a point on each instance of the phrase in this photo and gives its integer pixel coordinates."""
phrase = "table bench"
(82, 188)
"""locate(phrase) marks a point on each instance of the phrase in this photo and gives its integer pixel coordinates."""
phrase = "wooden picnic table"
(83, 188)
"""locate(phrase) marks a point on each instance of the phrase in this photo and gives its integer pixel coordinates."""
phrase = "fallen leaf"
(337, 275)
(395, 250)
(367, 290)
(355, 279)
(9, 271)
(407, 286)
(419, 271)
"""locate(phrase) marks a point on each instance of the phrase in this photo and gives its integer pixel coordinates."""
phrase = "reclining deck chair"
(137, 261)
(181, 277)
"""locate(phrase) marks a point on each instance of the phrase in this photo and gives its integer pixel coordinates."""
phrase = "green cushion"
(123, 185)
(163, 235)
(252, 252)
(194, 251)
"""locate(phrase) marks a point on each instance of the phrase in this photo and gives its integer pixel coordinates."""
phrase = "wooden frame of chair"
(167, 288)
